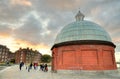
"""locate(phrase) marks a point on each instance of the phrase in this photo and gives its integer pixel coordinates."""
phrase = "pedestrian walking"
(45, 68)
(35, 65)
(30, 67)
(42, 67)
(21, 64)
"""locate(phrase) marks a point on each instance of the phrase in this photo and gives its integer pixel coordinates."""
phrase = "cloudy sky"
(35, 23)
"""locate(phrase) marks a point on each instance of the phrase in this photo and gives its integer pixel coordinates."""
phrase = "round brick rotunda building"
(83, 45)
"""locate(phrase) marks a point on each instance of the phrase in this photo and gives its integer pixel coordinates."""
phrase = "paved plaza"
(13, 72)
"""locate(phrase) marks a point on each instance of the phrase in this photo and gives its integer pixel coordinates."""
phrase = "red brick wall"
(85, 57)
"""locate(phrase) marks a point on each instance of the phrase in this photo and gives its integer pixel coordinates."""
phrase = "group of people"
(43, 67)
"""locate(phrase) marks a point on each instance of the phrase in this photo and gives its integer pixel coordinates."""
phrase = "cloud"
(30, 31)
(5, 31)
(60, 13)
(24, 44)
(18, 43)
(33, 30)
(108, 18)
(37, 22)
(63, 4)
(11, 13)
(21, 2)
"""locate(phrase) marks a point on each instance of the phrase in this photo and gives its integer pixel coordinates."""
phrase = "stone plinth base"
(87, 72)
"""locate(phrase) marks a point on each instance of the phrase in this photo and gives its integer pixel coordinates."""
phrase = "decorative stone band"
(84, 42)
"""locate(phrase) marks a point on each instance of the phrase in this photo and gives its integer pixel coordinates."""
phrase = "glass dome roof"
(82, 30)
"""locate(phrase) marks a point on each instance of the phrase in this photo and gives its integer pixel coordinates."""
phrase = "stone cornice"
(84, 42)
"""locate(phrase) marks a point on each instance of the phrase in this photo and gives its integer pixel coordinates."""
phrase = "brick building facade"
(27, 55)
(5, 54)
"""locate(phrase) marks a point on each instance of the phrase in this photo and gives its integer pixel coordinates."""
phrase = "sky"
(35, 23)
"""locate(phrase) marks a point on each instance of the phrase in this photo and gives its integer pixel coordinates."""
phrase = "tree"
(46, 58)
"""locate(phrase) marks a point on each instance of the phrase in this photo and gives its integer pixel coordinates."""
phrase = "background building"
(27, 56)
(11, 57)
(5, 54)
(83, 45)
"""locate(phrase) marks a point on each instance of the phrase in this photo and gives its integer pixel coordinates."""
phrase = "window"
(2, 60)
(5, 56)
(21, 58)
(2, 56)
(21, 54)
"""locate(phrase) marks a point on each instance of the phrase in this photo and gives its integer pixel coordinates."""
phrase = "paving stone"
(13, 72)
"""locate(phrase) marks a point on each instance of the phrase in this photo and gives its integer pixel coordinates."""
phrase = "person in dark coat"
(42, 67)
(21, 64)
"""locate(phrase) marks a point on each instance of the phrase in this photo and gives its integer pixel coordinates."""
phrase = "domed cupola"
(82, 30)
(83, 45)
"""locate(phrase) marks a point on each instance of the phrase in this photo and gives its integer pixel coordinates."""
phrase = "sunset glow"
(35, 23)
